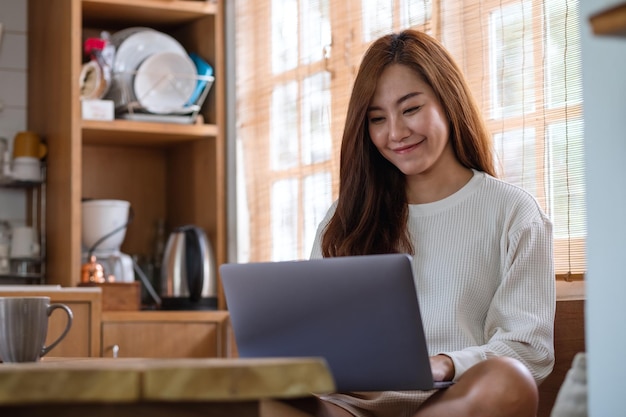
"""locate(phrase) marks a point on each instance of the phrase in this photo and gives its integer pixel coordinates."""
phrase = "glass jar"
(5, 246)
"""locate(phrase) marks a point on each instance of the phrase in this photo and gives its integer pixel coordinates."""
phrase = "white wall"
(604, 92)
(13, 77)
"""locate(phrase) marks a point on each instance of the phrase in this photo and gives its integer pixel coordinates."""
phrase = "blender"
(104, 224)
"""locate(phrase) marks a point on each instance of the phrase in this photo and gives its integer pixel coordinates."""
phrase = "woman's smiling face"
(407, 123)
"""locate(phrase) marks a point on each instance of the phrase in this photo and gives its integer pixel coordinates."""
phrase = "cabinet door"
(160, 339)
(76, 342)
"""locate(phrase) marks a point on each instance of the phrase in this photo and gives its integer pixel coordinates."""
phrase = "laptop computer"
(360, 313)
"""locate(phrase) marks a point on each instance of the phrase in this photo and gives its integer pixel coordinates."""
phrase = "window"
(296, 63)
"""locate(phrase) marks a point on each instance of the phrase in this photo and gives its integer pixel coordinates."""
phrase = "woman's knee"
(503, 386)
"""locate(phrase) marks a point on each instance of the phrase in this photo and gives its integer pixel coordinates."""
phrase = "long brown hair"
(372, 209)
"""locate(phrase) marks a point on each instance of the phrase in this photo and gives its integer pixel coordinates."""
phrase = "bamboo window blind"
(295, 63)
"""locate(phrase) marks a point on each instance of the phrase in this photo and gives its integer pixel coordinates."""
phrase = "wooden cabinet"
(158, 334)
(569, 339)
(130, 334)
(167, 171)
(83, 339)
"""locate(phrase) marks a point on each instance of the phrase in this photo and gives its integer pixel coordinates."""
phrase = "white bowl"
(101, 217)
(165, 82)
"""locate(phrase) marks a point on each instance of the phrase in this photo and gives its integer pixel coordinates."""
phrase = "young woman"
(417, 176)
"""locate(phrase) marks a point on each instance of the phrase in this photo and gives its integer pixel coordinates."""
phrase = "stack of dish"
(152, 73)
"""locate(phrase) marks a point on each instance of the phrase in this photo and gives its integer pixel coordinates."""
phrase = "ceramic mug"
(24, 327)
(26, 168)
(24, 242)
(28, 144)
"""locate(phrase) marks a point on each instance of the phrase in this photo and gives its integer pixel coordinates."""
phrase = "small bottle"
(92, 272)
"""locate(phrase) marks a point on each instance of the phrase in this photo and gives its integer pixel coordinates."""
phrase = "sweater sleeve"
(316, 250)
(520, 319)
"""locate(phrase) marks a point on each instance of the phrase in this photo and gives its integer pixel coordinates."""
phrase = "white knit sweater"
(485, 281)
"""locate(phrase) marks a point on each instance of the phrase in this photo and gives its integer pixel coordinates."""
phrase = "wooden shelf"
(146, 12)
(610, 22)
(127, 132)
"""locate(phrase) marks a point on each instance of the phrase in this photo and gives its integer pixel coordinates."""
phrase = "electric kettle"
(188, 274)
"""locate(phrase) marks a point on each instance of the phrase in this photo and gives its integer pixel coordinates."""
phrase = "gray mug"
(24, 327)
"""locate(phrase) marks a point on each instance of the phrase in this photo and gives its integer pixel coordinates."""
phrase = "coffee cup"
(24, 327)
(28, 144)
(24, 242)
(26, 168)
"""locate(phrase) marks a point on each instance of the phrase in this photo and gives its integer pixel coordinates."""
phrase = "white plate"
(164, 82)
(132, 52)
(121, 35)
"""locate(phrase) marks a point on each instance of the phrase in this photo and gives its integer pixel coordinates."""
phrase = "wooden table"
(161, 387)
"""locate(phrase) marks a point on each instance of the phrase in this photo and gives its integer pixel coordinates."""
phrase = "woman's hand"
(442, 368)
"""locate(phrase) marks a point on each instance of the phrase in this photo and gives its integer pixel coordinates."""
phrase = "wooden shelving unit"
(610, 22)
(167, 171)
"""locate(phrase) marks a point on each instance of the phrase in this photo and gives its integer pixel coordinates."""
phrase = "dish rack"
(128, 107)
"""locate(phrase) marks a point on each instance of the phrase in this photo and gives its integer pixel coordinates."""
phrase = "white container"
(97, 109)
(101, 217)
(26, 168)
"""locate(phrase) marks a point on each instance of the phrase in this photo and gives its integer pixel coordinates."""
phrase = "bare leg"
(497, 387)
